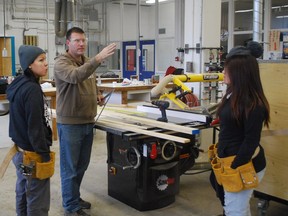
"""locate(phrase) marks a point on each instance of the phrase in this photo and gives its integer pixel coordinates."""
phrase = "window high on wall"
(279, 14)
(238, 16)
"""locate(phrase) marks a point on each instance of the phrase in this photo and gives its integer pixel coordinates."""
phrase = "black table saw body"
(144, 171)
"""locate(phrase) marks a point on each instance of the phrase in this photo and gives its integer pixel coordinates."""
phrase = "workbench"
(2, 96)
(125, 93)
(110, 80)
(103, 80)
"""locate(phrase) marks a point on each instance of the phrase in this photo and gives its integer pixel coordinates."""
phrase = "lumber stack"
(123, 120)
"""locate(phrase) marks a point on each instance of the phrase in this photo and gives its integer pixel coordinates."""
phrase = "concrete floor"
(196, 197)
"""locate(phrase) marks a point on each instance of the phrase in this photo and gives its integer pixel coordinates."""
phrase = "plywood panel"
(274, 78)
(5, 62)
(6, 66)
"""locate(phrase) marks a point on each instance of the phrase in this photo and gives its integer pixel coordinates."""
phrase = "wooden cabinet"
(7, 63)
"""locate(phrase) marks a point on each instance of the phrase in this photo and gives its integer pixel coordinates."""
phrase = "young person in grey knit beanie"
(27, 55)
(29, 129)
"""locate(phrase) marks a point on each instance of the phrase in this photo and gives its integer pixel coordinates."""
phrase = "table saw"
(144, 169)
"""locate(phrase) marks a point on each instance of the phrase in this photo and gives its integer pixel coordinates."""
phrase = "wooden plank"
(124, 124)
(164, 125)
(145, 132)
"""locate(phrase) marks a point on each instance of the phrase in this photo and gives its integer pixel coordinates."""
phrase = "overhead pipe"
(60, 18)
(25, 29)
(105, 22)
(156, 35)
(138, 40)
(257, 20)
(32, 6)
(47, 35)
(14, 17)
(70, 13)
(4, 51)
(29, 19)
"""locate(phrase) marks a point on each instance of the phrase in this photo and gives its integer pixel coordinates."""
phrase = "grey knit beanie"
(253, 48)
(28, 54)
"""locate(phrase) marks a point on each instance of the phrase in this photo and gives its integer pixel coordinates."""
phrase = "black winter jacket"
(28, 126)
(241, 140)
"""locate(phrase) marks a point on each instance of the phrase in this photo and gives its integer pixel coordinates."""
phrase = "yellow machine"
(178, 80)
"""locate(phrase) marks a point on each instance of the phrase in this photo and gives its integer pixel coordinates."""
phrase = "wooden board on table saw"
(143, 131)
(123, 119)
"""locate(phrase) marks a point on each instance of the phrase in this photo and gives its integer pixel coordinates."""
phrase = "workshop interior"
(162, 87)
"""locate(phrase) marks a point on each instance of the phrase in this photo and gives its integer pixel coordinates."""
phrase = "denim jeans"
(32, 196)
(238, 204)
(75, 151)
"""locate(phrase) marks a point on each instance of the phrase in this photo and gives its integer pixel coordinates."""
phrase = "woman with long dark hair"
(243, 111)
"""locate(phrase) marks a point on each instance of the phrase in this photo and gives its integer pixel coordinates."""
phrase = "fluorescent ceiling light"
(244, 11)
(282, 17)
(153, 1)
(279, 7)
(250, 10)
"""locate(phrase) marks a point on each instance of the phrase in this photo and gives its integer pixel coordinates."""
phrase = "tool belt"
(41, 170)
(212, 151)
(233, 180)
